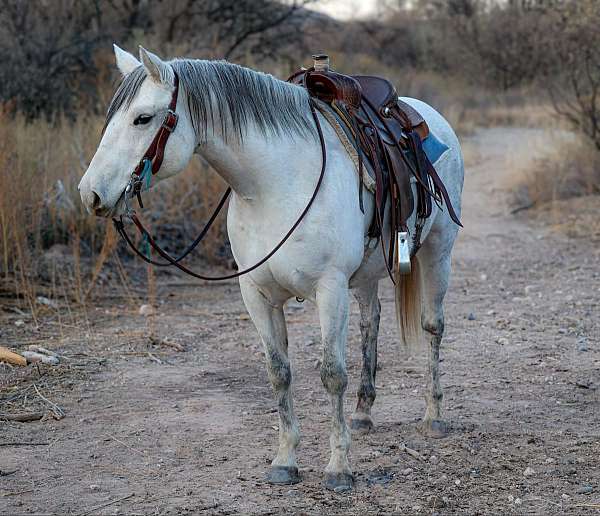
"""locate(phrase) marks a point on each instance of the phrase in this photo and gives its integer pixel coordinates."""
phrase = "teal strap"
(146, 178)
(146, 175)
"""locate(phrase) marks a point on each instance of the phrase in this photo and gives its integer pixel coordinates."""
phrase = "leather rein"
(150, 164)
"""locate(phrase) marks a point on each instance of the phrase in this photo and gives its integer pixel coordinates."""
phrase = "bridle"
(150, 164)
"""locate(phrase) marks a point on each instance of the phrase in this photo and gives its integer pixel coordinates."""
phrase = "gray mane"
(230, 95)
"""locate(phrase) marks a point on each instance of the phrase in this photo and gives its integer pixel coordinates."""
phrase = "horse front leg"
(269, 320)
(332, 302)
(370, 310)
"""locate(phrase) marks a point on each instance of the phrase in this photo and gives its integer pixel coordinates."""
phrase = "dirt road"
(157, 431)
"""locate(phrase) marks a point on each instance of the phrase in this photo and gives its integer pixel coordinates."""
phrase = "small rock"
(457, 482)
(471, 316)
(19, 322)
(503, 341)
(585, 490)
(436, 502)
(94, 487)
(518, 501)
(582, 344)
(46, 302)
(407, 471)
(433, 459)
(529, 472)
(147, 310)
(565, 496)
(342, 489)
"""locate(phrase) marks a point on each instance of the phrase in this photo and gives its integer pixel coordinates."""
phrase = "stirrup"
(403, 252)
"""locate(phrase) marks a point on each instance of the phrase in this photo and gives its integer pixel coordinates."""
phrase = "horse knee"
(433, 324)
(280, 371)
(333, 376)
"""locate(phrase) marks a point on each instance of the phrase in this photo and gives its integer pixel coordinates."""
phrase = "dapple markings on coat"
(265, 148)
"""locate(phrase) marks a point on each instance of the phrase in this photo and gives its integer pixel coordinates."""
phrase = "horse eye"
(142, 119)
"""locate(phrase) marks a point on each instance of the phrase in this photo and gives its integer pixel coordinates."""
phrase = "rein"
(150, 164)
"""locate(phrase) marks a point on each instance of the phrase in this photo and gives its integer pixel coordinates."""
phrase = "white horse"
(258, 134)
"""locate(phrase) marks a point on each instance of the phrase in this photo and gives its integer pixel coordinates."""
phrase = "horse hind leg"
(270, 323)
(370, 310)
(435, 268)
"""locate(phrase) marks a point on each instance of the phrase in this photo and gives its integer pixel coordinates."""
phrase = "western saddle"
(387, 134)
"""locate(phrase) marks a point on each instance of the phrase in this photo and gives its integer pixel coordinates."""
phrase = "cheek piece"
(153, 157)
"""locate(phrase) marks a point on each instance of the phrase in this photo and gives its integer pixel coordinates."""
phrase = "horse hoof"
(283, 475)
(339, 482)
(436, 429)
(361, 425)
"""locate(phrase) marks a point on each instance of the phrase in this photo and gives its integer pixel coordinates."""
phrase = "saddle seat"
(381, 93)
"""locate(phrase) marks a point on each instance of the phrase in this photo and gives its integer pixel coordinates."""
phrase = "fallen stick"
(43, 351)
(157, 341)
(18, 493)
(57, 412)
(156, 359)
(25, 417)
(33, 357)
(24, 444)
(413, 453)
(106, 505)
(6, 355)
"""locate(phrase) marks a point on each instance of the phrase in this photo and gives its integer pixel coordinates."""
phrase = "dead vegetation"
(445, 53)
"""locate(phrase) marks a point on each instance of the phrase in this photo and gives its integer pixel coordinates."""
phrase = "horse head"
(135, 117)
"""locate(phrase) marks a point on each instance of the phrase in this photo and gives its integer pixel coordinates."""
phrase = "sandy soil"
(151, 430)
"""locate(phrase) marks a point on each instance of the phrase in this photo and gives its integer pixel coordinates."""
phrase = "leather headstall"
(155, 153)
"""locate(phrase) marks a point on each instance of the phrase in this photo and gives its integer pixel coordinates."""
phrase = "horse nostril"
(95, 200)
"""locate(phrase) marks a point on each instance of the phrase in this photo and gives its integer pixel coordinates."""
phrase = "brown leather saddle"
(388, 135)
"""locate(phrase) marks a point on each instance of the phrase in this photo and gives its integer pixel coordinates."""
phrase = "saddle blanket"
(433, 147)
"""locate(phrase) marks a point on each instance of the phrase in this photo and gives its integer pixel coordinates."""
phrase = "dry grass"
(48, 243)
(562, 185)
(41, 164)
(571, 169)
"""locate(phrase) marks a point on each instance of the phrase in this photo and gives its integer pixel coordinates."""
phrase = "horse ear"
(126, 62)
(157, 69)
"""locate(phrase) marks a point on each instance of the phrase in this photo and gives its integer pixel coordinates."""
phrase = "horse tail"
(408, 305)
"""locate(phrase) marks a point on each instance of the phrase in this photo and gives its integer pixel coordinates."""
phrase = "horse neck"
(261, 165)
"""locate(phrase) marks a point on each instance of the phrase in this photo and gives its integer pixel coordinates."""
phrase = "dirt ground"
(152, 430)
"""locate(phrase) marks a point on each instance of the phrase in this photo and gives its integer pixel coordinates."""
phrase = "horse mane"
(231, 95)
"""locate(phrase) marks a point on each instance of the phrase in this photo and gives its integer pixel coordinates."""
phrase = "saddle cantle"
(388, 135)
